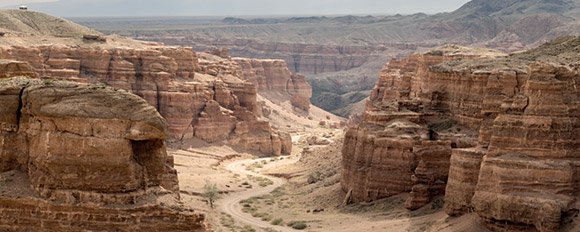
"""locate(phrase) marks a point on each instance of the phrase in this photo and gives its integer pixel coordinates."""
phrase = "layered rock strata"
(405, 140)
(89, 157)
(274, 81)
(510, 124)
(174, 81)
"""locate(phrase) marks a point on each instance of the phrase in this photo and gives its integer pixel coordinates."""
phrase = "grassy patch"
(228, 221)
(248, 229)
(277, 221)
(297, 225)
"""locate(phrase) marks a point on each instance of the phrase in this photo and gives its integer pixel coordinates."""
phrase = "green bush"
(277, 221)
(297, 225)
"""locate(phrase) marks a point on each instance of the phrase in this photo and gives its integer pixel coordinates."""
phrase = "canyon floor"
(267, 193)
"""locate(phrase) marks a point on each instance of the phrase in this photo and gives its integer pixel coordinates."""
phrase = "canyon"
(86, 119)
(208, 97)
(101, 132)
(493, 133)
(341, 54)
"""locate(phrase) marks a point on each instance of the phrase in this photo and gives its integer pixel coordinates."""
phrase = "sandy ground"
(269, 193)
(293, 195)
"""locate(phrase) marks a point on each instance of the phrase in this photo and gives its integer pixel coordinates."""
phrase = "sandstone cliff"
(275, 82)
(85, 157)
(404, 141)
(172, 80)
(496, 135)
(205, 97)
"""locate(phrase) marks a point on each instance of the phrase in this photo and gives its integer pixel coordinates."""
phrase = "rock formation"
(496, 135)
(276, 82)
(205, 97)
(404, 142)
(346, 54)
(172, 80)
(88, 157)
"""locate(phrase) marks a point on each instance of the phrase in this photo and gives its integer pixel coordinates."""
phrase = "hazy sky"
(68, 8)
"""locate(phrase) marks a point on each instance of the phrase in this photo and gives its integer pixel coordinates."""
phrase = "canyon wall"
(408, 129)
(308, 58)
(495, 135)
(84, 157)
(182, 88)
(274, 81)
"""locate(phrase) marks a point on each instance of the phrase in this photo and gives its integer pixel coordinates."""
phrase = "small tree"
(211, 191)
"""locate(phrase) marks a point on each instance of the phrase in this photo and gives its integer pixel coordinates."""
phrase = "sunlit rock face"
(84, 152)
(181, 87)
(497, 136)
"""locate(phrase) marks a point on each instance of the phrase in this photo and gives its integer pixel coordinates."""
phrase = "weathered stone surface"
(98, 154)
(273, 80)
(513, 141)
(172, 79)
(463, 173)
(33, 214)
(398, 146)
(12, 68)
(430, 176)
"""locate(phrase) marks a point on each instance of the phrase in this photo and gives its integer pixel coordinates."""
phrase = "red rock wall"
(165, 77)
(273, 80)
(85, 157)
(32, 214)
(529, 173)
(515, 161)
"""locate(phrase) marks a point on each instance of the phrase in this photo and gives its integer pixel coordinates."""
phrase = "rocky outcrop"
(85, 152)
(274, 81)
(12, 68)
(172, 79)
(405, 140)
(504, 128)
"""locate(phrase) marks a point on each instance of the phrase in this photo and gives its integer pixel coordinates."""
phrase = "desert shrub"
(297, 225)
(211, 192)
(248, 229)
(277, 221)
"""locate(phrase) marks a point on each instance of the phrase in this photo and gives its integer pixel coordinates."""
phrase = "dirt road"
(230, 203)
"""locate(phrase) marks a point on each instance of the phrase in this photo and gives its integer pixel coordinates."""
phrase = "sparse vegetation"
(248, 229)
(297, 225)
(99, 86)
(227, 221)
(277, 221)
(269, 229)
(47, 81)
(262, 181)
(253, 166)
(211, 192)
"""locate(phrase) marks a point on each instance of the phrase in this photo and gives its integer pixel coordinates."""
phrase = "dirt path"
(230, 203)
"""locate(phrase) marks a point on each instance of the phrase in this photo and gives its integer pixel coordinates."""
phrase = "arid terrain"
(103, 132)
(341, 55)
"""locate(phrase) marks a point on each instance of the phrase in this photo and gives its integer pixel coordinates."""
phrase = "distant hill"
(343, 54)
(30, 23)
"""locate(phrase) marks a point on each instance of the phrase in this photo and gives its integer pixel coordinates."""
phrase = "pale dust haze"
(84, 8)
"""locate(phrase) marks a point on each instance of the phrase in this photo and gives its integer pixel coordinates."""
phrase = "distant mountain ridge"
(342, 55)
